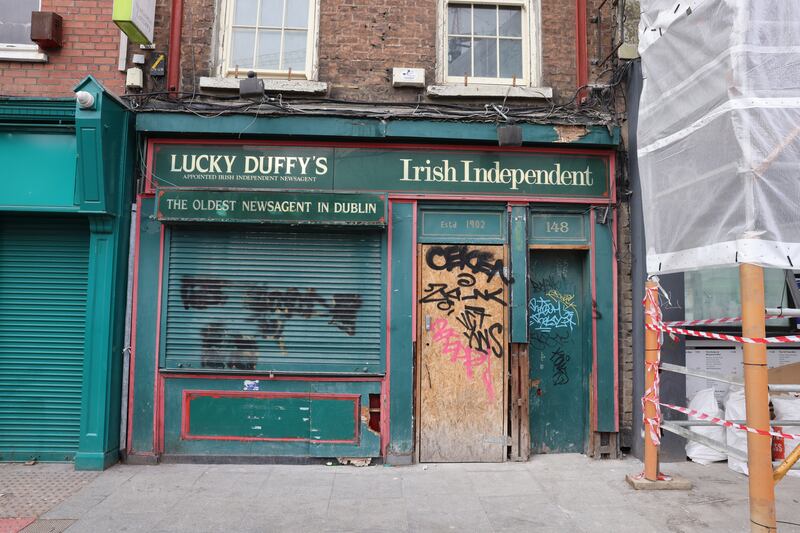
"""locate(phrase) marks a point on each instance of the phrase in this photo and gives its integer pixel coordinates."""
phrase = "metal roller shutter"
(246, 298)
(44, 264)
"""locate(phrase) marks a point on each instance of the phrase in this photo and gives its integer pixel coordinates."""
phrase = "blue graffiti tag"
(548, 314)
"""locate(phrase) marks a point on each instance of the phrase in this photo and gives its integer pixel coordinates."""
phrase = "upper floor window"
(272, 37)
(489, 42)
(15, 23)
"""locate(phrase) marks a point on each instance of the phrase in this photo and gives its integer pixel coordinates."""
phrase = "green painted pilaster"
(105, 150)
(519, 274)
(98, 447)
(604, 283)
(401, 403)
(143, 359)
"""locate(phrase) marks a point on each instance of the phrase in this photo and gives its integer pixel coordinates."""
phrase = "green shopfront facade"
(64, 227)
(331, 287)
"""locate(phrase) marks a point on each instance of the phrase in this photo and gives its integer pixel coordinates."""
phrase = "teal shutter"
(247, 298)
(44, 265)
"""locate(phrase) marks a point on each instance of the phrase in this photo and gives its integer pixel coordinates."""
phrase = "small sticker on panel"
(251, 385)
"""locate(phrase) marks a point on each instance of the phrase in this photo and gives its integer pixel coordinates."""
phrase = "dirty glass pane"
(271, 13)
(714, 293)
(485, 20)
(242, 48)
(486, 58)
(458, 57)
(510, 20)
(244, 12)
(269, 49)
(15, 21)
(458, 19)
(510, 58)
(297, 13)
(294, 51)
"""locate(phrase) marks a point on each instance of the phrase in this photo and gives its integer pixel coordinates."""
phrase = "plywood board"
(463, 303)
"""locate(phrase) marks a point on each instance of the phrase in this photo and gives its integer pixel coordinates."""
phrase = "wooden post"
(650, 358)
(759, 447)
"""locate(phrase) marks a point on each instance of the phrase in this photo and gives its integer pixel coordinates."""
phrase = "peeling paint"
(365, 416)
(570, 133)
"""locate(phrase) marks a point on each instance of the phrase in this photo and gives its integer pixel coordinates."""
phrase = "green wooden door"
(44, 268)
(559, 330)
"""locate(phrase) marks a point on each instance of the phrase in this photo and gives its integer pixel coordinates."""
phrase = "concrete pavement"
(551, 493)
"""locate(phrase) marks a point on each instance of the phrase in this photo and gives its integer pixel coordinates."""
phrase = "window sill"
(270, 85)
(498, 91)
(27, 56)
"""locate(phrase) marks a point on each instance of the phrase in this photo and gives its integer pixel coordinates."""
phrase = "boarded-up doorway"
(461, 365)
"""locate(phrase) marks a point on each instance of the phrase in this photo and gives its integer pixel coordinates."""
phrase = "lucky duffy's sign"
(257, 166)
(280, 207)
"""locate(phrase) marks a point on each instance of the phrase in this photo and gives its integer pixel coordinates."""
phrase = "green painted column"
(143, 360)
(519, 274)
(105, 165)
(606, 369)
(401, 405)
(98, 447)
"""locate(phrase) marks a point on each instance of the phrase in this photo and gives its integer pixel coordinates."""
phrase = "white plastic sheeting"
(719, 133)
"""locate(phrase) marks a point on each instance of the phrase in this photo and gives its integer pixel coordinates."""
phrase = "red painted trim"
(612, 176)
(148, 171)
(161, 413)
(581, 47)
(600, 152)
(134, 308)
(174, 59)
(524, 200)
(414, 317)
(343, 379)
(386, 383)
(615, 285)
(593, 283)
(189, 395)
(612, 163)
(158, 415)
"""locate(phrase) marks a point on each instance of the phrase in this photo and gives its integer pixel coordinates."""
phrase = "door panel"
(462, 355)
(558, 352)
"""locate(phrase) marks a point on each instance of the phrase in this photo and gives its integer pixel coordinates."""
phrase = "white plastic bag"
(736, 438)
(788, 408)
(705, 402)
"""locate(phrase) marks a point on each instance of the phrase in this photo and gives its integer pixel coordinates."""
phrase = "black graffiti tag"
(560, 360)
(461, 257)
(480, 336)
(222, 348)
(343, 309)
(201, 293)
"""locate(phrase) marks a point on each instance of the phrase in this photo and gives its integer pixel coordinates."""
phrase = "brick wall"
(360, 42)
(625, 300)
(91, 46)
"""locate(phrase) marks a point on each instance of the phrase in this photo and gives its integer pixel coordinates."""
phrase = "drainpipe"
(581, 47)
(174, 62)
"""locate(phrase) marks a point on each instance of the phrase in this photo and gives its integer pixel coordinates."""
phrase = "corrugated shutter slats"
(255, 299)
(44, 265)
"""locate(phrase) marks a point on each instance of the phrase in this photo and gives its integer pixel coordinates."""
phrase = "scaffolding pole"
(759, 447)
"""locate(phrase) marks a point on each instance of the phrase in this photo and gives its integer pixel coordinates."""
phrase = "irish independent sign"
(281, 207)
(259, 166)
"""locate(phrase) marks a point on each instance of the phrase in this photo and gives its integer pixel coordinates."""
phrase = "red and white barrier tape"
(713, 321)
(651, 395)
(722, 336)
(727, 423)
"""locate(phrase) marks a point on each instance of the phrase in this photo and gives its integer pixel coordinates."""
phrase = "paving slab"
(549, 493)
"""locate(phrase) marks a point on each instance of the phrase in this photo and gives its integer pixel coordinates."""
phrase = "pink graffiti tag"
(472, 359)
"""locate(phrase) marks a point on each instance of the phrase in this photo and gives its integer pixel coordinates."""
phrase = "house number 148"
(558, 227)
